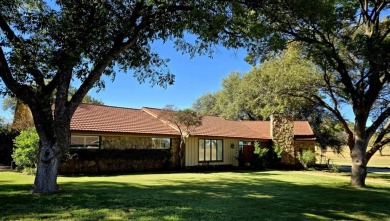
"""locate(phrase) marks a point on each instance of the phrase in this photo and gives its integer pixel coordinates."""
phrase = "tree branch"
(97, 71)
(21, 91)
(19, 43)
(12, 37)
(376, 147)
(375, 125)
(317, 100)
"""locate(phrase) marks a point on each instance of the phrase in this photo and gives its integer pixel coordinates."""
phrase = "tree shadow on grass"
(254, 196)
(381, 176)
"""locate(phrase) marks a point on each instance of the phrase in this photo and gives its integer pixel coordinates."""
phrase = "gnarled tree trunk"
(48, 163)
(54, 136)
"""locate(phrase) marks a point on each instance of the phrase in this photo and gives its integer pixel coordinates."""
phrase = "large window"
(161, 143)
(210, 150)
(84, 142)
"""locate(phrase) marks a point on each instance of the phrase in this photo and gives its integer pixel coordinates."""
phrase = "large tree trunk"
(54, 138)
(359, 164)
(48, 163)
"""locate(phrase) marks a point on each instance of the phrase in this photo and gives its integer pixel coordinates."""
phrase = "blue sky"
(194, 77)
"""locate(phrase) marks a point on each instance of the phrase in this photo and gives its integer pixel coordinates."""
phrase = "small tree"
(278, 150)
(25, 154)
(261, 151)
(185, 121)
(307, 158)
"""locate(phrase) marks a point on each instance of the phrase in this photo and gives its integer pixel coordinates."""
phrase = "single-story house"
(116, 139)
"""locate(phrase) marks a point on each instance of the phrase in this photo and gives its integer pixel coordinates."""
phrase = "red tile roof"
(100, 118)
(218, 127)
(302, 128)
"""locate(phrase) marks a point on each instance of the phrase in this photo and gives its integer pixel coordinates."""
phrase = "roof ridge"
(164, 121)
(111, 106)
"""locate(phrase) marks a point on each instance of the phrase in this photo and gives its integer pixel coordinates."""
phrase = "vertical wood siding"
(229, 154)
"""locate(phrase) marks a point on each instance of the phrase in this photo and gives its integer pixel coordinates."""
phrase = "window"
(84, 142)
(161, 143)
(210, 150)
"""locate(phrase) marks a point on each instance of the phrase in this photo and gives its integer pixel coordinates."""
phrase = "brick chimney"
(282, 133)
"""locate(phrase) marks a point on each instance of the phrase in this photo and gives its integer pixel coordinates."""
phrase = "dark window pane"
(92, 142)
(161, 143)
(84, 142)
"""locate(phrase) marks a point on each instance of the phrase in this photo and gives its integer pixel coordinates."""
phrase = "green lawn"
(270, 195)
(344, 159)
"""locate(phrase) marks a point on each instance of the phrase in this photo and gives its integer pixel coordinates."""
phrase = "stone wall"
(282, 133)
(301, 145)
(122, 154)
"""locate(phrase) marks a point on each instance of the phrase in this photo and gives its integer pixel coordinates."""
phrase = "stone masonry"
(282, 132)
(122, 154)
(132, 142)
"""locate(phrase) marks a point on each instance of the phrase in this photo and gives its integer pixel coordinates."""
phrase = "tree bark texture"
(359, 164)
(54, 135)
(46, 177)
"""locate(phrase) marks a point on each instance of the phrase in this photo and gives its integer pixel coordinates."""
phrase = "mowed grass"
(345, 159)
(269, 195)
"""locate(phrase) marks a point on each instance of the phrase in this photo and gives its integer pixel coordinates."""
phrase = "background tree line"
(266, 89)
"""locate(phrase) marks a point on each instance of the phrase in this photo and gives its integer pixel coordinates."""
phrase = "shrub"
(261, 151)
(26, 149)
(260, 162)
(278, 150)
(307, 158)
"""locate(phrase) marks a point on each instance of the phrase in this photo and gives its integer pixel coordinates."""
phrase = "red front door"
(248, 154)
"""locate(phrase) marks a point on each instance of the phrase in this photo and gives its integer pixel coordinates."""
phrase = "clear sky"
(194, 77)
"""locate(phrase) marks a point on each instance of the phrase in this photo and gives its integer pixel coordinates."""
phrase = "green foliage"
(26, 149)
(206, 105)
(185, 120)
(9, 103)
(277, 149)
(261, 151)
(28, 170)
(307, 158)
(87, 98)
(349, 43)
(266, 89)
(329, 132)
(260, 161)
(275, 87)
(271, 88)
